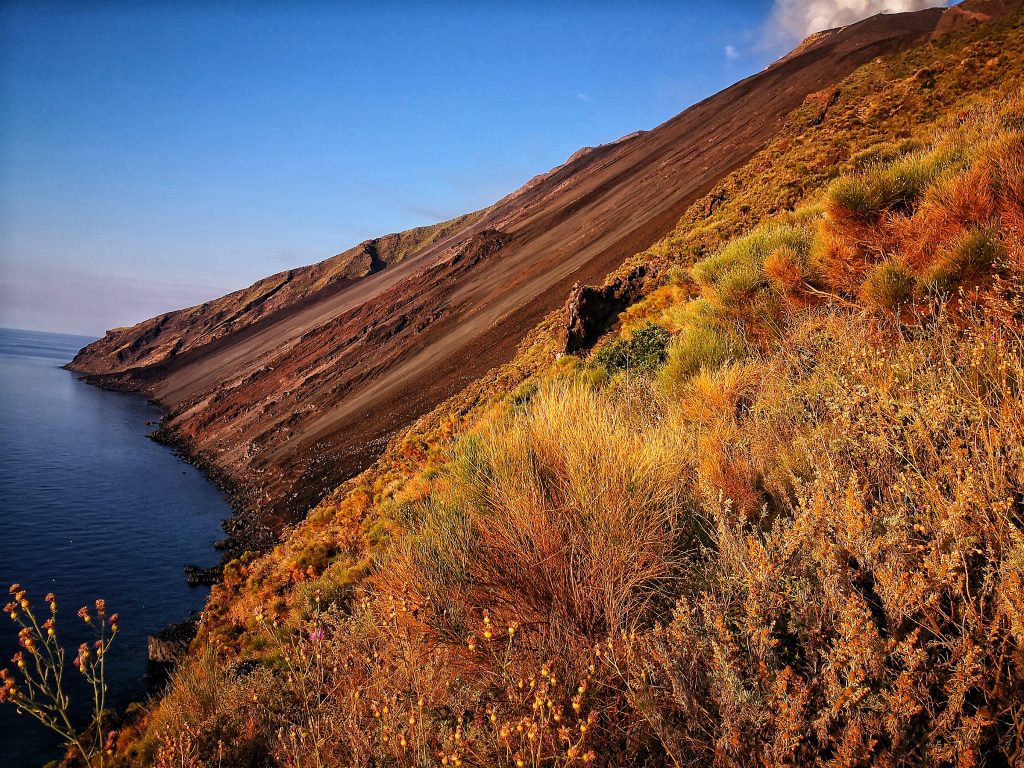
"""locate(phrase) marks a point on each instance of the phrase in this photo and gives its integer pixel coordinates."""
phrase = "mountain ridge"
(305, 393)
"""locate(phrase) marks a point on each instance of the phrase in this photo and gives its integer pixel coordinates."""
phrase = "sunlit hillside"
(774, 517)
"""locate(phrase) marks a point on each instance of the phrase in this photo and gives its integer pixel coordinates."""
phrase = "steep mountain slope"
(774, 519)
(167, 337)
(284, 391)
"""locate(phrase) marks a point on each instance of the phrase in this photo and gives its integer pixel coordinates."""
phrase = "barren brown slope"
(305, 395)
(167, 337)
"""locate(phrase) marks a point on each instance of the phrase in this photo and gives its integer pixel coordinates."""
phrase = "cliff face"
(289, 387)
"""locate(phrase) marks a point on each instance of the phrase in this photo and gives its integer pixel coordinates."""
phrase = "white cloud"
(731, 52)
(584, 97)
(796, 19)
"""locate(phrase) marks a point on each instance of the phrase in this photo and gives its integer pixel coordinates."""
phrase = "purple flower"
(316, 635)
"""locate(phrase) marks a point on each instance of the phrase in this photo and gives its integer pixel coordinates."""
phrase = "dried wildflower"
(45, 698)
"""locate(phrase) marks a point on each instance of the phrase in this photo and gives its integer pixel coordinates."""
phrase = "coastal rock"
(196, 576)
(169, 645)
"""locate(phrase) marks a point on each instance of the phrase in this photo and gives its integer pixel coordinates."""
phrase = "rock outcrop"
(171, 644)
(591, 309)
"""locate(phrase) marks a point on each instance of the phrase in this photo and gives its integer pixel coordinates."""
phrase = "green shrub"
(643, 352)
(699, 347)
(882, 154)
(888, 285)
(522, 394)
(895, 187)
(737, 269)
(316, 555)
(975, 253)
(737, 279)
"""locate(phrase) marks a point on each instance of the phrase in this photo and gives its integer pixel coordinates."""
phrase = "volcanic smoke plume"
(796, 19)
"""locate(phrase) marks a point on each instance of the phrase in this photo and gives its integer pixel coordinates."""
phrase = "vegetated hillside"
(777, 519)
(301, 394)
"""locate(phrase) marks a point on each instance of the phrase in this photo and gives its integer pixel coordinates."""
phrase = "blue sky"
(154, 155)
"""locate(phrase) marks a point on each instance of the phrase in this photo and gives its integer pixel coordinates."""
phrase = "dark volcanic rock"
(196, 576)
(591, 310)
(169, 645)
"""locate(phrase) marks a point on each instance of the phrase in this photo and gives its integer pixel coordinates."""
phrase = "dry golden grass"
(838, 523)
(872, 619)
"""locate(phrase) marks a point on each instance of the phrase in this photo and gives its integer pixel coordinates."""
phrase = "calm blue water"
(90, 507)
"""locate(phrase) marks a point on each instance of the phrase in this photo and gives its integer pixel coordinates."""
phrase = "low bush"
(699, 348)
(974, 254)
(888, 286)
(736, 272)
(643, 352)
(876, 620)
(885, 189)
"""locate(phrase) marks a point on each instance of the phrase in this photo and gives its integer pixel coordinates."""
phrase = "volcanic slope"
(287, 388)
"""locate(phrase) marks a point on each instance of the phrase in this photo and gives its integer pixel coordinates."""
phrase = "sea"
(90, 507)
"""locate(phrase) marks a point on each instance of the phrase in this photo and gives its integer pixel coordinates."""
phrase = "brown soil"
(287, 388)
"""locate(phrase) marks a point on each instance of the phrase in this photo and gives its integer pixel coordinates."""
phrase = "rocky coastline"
(244, 530)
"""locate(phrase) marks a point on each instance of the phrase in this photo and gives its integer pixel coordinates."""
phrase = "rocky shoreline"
(243, 529)
(244, 533)
(171, 643)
